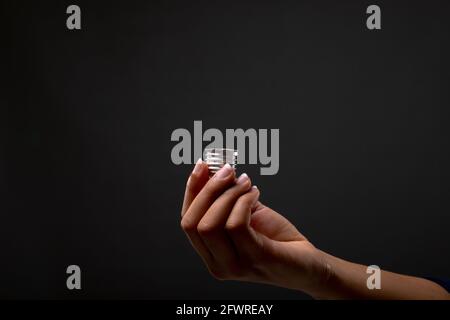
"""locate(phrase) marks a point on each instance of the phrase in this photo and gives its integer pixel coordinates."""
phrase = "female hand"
(239, 238)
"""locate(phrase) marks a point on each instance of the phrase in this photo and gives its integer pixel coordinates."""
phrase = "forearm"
(347, 280)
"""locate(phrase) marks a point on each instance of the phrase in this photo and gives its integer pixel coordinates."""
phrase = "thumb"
(273, 225)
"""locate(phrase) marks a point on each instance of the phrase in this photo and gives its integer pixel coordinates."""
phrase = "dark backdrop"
(363, 119)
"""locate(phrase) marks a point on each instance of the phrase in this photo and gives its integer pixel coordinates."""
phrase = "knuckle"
(234, 226)
(205, 229)
(187, 225)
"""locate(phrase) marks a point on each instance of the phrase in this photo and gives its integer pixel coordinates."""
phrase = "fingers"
(196, 208)
(216, 217)
(221, 181)
(238, 226)
(212, 226)
(195, 183)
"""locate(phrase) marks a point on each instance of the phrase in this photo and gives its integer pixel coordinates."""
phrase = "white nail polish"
(242, 178)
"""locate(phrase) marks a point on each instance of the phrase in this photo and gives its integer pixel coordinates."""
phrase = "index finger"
(195, 183)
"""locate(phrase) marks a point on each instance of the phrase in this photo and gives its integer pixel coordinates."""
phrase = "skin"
(239, 238)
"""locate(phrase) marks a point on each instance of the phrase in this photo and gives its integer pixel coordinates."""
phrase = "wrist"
(322, 275)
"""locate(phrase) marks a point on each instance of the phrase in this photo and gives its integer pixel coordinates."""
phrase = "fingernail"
(242, 178)
(224, 171)
(255, 187)
(197, 166)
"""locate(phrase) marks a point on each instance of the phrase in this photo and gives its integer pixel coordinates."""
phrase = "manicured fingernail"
(242, 178)
(224, 171)
(255, 187)
(197, 166)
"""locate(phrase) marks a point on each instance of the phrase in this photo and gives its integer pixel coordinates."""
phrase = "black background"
(364, 161)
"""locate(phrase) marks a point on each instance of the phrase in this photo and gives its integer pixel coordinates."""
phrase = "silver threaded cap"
(216, 158)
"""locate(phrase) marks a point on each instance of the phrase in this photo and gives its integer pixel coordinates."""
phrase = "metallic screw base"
(216, 158)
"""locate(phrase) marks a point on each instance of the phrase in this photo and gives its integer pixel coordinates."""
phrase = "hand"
(239, 238)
